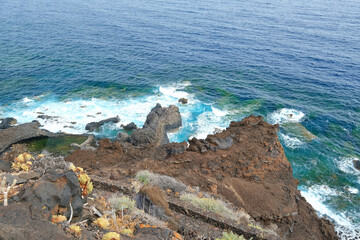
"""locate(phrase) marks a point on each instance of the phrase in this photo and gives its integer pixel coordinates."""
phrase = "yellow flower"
(20, 158)
(75, 230)
(103, 223)
(84, 178)
(89, 187)
(58, 218)
(72, 167)
(111, 236)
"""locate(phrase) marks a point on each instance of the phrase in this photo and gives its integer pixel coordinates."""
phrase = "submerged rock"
(96, 125)
(7, 122)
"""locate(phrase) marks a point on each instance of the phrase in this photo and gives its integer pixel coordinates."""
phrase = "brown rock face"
(247, 166)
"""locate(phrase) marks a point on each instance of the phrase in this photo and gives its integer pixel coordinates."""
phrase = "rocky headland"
(237, 183)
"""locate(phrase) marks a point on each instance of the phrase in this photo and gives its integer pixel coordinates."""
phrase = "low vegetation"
(162, 181)
(230, 236)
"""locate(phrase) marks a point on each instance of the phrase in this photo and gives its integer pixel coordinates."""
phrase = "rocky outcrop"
(158, 122)
(21, 132)
(130, 126)
(18, 222)
(54, 194)
(7, 122)
(96, 125)
(183, 100)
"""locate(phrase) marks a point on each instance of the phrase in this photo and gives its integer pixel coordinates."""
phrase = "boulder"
(18, 222)
(183, 100)
(357, 164)
(19, 133)
(5, 166)
(123, 137)
(52, 195)
(130, 126)
(158, 122)
(96, 125)
(7, 122)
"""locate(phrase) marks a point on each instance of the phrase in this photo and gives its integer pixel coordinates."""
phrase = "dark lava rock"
(52, 195)
(96, 125)
(183, 100)
(143, 136)
(158, 122)
(18, 222)
(175, 148)
(357, 164)
(19, 133)
(7, 122)
(154, 234)
(130, 126)
(5, 166)
(123, 137)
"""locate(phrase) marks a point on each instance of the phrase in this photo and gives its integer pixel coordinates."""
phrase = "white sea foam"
(71, 116)
(291, 142)
(317, 195)
(285, 115)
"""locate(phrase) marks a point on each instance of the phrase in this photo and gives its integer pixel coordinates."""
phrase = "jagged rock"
(96, 125)
(50, 163)
(21, 132)
(143, 136)
(158, 122)
(7, 122)
(18, 222)
(123, 137)
(175, 148)
(357, 164)
(212, 143)
(183, 100)
(5, 166)
(52, 195)
(130, 126)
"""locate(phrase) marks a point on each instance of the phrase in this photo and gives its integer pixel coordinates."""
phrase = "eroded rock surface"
(19, 133)
(96, 125)
(245, 164)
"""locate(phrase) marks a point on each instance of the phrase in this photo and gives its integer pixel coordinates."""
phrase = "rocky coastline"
(141, 186)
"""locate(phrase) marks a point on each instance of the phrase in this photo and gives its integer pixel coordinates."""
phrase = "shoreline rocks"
(92, 126)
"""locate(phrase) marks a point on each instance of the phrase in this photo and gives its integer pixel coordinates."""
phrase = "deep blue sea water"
(297, 63)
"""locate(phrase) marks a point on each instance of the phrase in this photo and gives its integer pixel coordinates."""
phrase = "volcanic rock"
(183, 100)
(19, 133)
(18, 222)
(158, 122)
(130, 126)
(96, 125)
(53, 194)
(7, 122)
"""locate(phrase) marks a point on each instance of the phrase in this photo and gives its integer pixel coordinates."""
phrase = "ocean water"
(297, 63)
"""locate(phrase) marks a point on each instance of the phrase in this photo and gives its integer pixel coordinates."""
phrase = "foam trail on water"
(286, 115)
(291, 142)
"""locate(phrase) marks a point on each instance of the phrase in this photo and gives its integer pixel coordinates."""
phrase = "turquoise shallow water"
(88, 60)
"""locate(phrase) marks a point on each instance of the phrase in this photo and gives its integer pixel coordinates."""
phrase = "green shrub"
(210, 204)
(121, 203)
